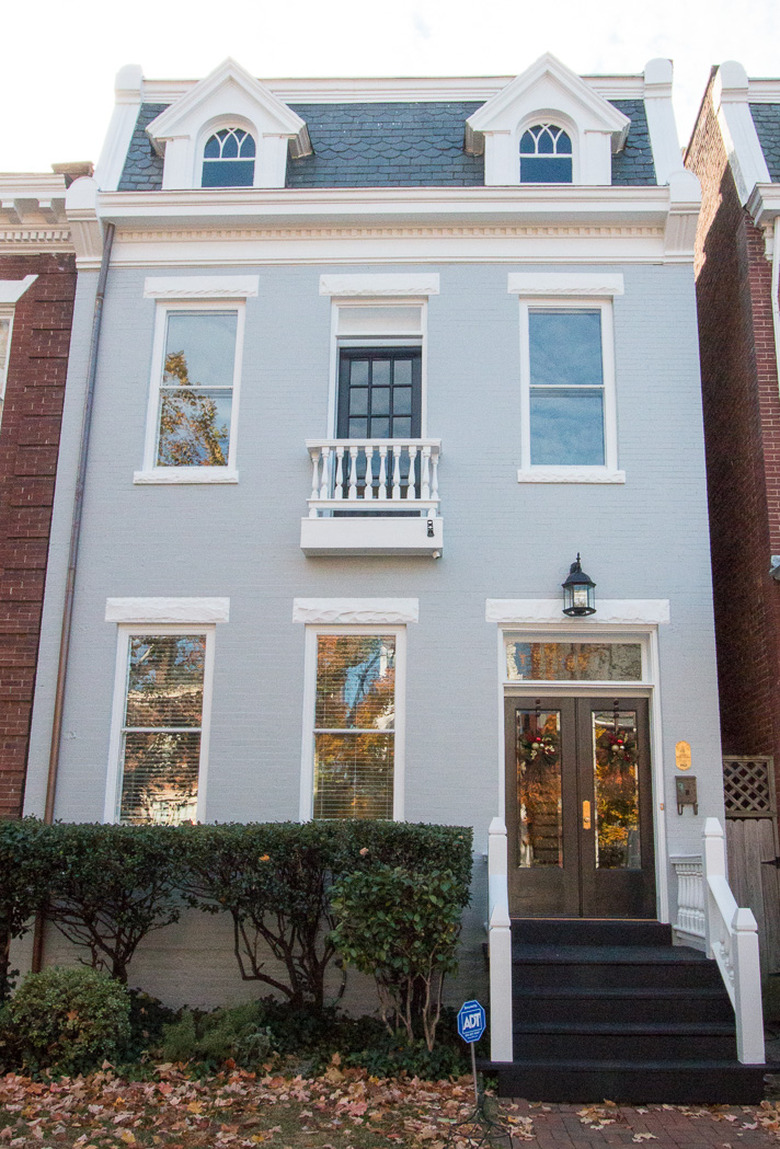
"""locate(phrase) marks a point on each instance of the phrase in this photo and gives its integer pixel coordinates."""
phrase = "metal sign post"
(477, 1128)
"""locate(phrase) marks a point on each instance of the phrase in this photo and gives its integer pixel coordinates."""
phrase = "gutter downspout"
(75, 534)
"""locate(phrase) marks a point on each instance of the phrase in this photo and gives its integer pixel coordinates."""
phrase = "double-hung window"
(568, 403)
(160, 730)
(354, 722)
(196, 375)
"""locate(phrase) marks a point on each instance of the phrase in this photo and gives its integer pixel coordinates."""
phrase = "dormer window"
(545, 155)
(229, 159)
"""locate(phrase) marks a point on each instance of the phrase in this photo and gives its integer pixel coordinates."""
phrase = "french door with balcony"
(579, 807)
(380, 398)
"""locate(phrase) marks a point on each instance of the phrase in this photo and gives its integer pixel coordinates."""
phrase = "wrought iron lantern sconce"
(578, 591)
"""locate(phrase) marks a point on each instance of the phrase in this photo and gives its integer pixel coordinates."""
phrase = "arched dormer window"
(545, 155)
(229, 159)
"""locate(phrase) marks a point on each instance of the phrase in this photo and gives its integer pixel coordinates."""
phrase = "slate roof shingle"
(389, 145)
(766, 117)
(143, 168)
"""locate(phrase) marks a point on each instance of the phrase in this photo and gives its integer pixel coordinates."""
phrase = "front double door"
(579, 808)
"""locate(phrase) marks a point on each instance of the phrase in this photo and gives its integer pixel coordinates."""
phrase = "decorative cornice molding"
(356, 611)
(548, 611)
(42, 238)
(187, 611)
(487, 231)
(388, 90)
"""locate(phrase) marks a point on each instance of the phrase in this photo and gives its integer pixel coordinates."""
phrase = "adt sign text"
(471, 1021)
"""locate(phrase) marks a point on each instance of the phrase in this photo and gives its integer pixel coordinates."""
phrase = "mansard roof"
(766, 118)
(399, 143)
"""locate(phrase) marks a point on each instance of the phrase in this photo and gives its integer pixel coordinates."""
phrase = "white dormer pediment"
(229, 97)
(547, 92)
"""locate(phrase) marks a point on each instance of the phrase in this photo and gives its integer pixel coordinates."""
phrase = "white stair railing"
(499, 945)
(708, 916)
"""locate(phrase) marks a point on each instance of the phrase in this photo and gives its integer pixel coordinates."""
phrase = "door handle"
(586, 815)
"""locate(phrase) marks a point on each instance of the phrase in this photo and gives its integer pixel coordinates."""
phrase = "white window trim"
(337, 341)
(555, 120)
(201, 287)
(390, 284)
(12, 290)
(538, 473)
(209, 129)
(151, 611)
(150, 472)
(111, 812)
(306, 809)
(6, 313)
(576, 283)
(521, 612)
(376, 612)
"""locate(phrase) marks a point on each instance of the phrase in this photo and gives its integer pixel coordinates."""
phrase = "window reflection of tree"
(162, 728)
(539, 792)
(190, 431)
(617, 792)
(355, 713)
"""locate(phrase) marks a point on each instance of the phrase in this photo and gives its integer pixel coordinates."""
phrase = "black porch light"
(578, 591)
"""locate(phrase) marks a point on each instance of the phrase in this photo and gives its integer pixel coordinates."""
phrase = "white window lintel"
(356, 611)
(548, 611)
(187, 611)
(12, 290)
(554, 283)
(397, 283)
(201, 286)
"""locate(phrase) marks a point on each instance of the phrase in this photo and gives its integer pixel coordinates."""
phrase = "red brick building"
(37, 287)
(735, 152)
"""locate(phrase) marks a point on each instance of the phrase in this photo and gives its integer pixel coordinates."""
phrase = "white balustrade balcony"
(373, 496)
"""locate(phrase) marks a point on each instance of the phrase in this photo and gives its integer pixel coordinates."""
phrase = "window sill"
(188, 475)
(570, 475)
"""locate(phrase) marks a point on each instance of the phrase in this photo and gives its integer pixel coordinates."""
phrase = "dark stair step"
(640, 966)
(616, 1003)
(591, 932)
(627, 1042)
(672, 1082)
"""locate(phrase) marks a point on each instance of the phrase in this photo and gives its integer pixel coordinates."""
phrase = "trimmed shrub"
(275, 879)
(22, 889)
(69, 1020)
(112, 885)
(402, 926)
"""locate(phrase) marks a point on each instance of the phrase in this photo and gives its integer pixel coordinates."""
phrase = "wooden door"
(579, 808)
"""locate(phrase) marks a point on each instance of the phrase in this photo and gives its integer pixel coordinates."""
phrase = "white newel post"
(747, 991)
(732, 939)
(500, 945)
(714, 858)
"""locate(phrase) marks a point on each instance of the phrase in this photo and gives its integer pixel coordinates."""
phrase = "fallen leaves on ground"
(344, 1108)
(340, 1109)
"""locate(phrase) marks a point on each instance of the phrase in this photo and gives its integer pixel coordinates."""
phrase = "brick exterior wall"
(742, 434)
(29, 440)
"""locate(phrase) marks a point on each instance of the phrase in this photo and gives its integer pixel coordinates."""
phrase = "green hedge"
(109, 886)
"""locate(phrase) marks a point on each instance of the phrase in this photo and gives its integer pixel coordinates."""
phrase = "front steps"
(610, 1009)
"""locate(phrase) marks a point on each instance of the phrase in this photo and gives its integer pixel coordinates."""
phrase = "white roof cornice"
(730, 95)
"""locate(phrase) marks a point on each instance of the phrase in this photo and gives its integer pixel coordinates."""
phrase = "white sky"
(58, 60)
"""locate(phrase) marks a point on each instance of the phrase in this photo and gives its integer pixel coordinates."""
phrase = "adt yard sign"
(471, 1021)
